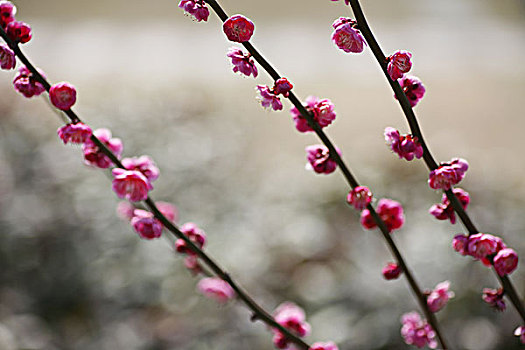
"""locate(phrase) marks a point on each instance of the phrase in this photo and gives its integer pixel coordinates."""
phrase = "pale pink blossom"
(392, 271)
(63, 95)
(26, 84)
(146, 225)
(268, 98)
(7, 58)
(346, 35)
(238, 28)
(196, 236)
(439, 297)
(494, 297)
(7, 13)
(405, 146)
(445, 210)
(359, 197)
(144, 164)
(506, 261)
(390, 211)
(448, 174)
(217, 289)
(196, 8)
(192, 264)
(417, 332)
(242, 62)
(324, 346)
(74, 133)
(520, 332)
(130, 184)
(319, 159)
(398, 64)
(125, 210)
(94, 156)
(413, 89)
(19, 32)
(291, 317)
(169, 211)
(322, 111)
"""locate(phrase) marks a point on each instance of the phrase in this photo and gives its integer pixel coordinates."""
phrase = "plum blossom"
(359, 197)
(93, 155)
(494, 297)
(130, 184)
(438, 298)
(7, 13)
(448, 174)
(19, 32)
(520, 332)
(242, 62)
(195, 234)
(482, 245)
(7, 58)
(346, 35)
(192, 264)
(391, 271)
(63, 95)
(238, 28)
(217, 289)
(460, 244)
(324, 346)
(321, 110)
(398, 64)
(145, 224)
(195, 8)
(26, 84)
(405, 146)
(144, 164)
(125, 210)
(268, 98)
(390, 211)
(506, 261)
(74, 133)
(417, 332)
(445, 210)
(413, 89)
(282, 86)
(319, 159)
(168, 210)
(291, 317)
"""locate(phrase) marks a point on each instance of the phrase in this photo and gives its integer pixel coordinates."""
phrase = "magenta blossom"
(242, 62)
(520, 332)
(444, 210)
(217, 289)
(19, 32)
(506, 261)
(26, 84)
(146, 225)
(195, 8)
(494, 297)
(74, 133)
(398, 64)
(319, 159)
(438, 298)
(392, 271)
(93, 156)
(282, 86)
(448, 174)
(405, 146)
(359, 197)
(417, 332)
(144, 164)
(63, 95)
(238, 28)
(268, 98)
(130, 184)
(291, 317)
(460, 244)
(321, 110)
(195, 234)
(390, 211)
(346, 35)
(7, 58)
(7, 13)
(413, 89)
(482, 245)
(324, 346)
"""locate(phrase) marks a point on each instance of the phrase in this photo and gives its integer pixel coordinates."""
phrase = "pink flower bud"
(417, 332)
(242, 62)
(7, 58)
(319, 159)
(321, 110)
(19, 32)
(292, 317)
(413, 89)
(7, 13)
(192, 264)
(238, 28)
(390, 211)
(439, 297)
(74, 133)
(63, 95)
(26, 84)
(144, 164)
(130, 184)
(268, 98)
(506, 261)
(448, 174)
(405, 146)
(494, 297)
(215, 288)
(460, 244)
(346, 35)
(195, 8)
(94, 157)
(445, 210)
(146, 225)
(324, 346)
(195, 234)
(392, 271)
(398, 64)
(282, 86)
(359, 197)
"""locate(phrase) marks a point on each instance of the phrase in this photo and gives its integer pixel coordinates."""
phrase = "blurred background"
(74, 276)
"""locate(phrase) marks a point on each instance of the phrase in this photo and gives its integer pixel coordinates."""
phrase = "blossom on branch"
(448, 174)
(145, 224)
(413, 89)
(417, 331)
(7, 13)
(26, 84)
(216, 288)
(19, 32)
(359, 197)
(242, 62)
(195, 8)
(392, 271)
(130, 184)
(74, 133)
(291, 317)
(7, 58)
(346, 35)
(63, 95)
(445, 210)
(390, 211)
(93, 155)
(438, 298)
(405, 146)
(319, 159)
(238, 28)
(494, 297)
(398, 64)
(322, 112)
(268, 98)
(144, 164)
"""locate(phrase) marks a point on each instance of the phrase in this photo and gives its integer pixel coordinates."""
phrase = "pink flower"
(130, 184)
(405, 146)
(125, 210)
(506, 261)
(390, 211)
(169, 211)
(238, 28)
(324, 346)
(144, 164)
(520, 332)
(7, 13)
(482, 245)
(7, 58)
(448, 174)
(268, 98)
(321, 110)
(74, 133)
(195, 234)
(439, 297)
(398, 64)
(319, 159)
(192, 263)
(19, 31)
(417, 332)
(413, 89)
(26, 84)
(282, 86)
(93, 156)
(359, 197)
(146, 225)
(445, 210)
(195, 8)
(215, 288)
(291, 317)
(494, 297)
(460, 244)
(242, 62)
(392, 271)
(346, 35)
(63, 95)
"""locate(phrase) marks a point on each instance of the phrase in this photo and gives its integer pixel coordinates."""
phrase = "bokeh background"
(74, 276)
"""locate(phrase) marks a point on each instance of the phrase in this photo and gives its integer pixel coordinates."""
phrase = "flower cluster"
(413, 89)
(438, 298)
(322, 112)
(405, 146)
(291, 317)
(448, 174)
(359, 197)
(195, 8)
(417, 331)
(399, 63)
(346, 35)
(94, 156)
(319, 159)
(390, 211)
(197, 237)
(444, 210)
(242, 62)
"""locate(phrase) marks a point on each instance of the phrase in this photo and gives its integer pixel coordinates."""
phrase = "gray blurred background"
(73, 276)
